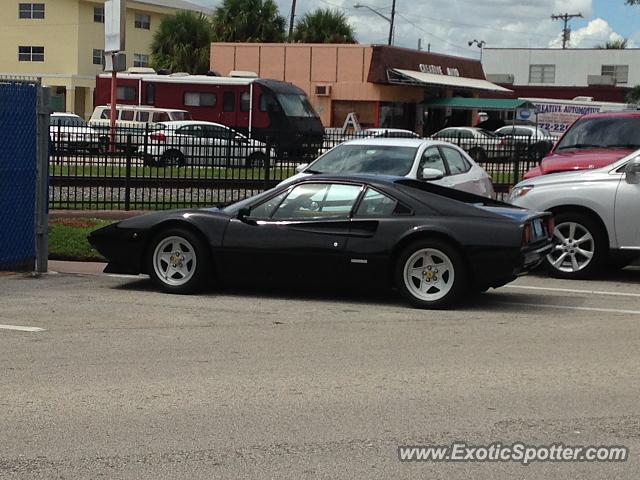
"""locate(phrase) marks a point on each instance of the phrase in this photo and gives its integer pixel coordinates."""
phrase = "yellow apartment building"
(62, 42)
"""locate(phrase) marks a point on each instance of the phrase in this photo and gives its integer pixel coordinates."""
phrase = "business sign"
(525, 114)
(115, 17)
(557, 117)
(438, 70)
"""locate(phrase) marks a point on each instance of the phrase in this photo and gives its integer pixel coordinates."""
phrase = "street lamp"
(390, 20)
(481, 44)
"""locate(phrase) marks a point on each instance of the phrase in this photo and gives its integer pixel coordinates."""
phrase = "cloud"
(596, 32)
(448, 25)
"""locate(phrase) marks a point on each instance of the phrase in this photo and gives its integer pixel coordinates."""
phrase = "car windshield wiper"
(580, 145)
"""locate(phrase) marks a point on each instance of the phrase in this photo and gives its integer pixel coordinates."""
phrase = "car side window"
(456, 162)
(318, 200)
(523, 132)
(266, 209)
(376, 204)
(431, 158)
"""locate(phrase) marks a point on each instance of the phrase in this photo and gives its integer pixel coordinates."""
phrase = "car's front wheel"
(581, 247)
(178, 261)
(430, 274)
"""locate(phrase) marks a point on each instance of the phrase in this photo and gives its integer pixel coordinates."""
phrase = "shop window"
(542, 73)
(619, 73)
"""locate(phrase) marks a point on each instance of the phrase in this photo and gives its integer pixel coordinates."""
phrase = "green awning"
(478, 103)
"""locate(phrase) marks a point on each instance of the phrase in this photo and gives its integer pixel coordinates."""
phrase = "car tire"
(256, 160)
(478, 154)
(178, 261)
(172, 158)
(431, 274)
(582, 250)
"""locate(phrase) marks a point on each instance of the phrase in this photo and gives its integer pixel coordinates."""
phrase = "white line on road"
(572, 290)
(22, 329)
(567, 307)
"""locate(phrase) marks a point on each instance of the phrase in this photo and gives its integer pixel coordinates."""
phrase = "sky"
(448, 25)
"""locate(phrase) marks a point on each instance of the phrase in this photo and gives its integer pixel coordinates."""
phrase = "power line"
(566, 31)
(466, 49)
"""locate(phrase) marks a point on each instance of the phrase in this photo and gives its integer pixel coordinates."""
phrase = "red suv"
(593, 141)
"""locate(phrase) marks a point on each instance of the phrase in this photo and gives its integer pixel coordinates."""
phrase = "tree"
(324, 26)
(248, 21)
(182, 43)
(633, 2)
(619, 44)
(633, 95)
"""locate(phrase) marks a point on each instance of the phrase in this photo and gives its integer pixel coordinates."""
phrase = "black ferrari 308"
(433, 243)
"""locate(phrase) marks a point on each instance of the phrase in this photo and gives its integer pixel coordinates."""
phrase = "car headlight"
(519, 192)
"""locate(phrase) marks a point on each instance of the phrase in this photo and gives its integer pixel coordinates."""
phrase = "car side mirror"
(431, 174)
(632, 171)
(243, 213)
(300, 168)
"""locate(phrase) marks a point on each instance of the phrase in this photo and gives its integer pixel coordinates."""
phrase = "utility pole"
(566, 31)
(293, 16)
(393, 15)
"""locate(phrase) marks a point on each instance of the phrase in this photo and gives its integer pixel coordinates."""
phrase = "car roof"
(393, 142)
(182, 123)
(65, 114)
(622, 114)
(142, 107)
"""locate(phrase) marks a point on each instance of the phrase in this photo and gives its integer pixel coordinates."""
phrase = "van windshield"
(603, 132)
(296, 105)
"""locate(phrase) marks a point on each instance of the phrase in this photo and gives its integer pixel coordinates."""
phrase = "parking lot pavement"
(124, 382)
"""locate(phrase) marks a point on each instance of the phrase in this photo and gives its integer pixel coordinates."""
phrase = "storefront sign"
(557, 117)
(438, 70)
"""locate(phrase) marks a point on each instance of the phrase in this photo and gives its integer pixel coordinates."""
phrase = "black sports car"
(432, 242)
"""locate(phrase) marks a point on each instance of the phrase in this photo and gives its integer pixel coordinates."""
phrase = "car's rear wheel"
(256, 160)
(172, 158)
(178, 261)
(430, 274)
(478, 154)
(581, 247)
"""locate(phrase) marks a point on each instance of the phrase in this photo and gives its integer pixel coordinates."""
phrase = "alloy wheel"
(575, 249)
(174, 261)
(429, 274)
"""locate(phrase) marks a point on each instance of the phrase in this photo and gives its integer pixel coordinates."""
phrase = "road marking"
(22, 329)
(567, 307)
(572, 290)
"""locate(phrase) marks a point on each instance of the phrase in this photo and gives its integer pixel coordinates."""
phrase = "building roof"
(177, 4)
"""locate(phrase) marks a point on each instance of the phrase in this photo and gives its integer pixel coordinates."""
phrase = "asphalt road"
(124, 382)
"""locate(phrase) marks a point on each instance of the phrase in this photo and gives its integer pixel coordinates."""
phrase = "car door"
(627, 206)
(223, 151)
(461, 175)
(185, 139)
(295, 237)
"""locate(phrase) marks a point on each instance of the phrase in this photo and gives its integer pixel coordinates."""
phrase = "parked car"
(403, 157)
(434, 243)
(536, 142)
(69, 133)
(481, 144)
(593, 141)
(201, 143)
(596, 213)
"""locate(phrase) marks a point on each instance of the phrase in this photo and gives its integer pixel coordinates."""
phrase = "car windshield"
(370, 159)
(296, 105)
(605, 132)
(68, 121)
(488, 133)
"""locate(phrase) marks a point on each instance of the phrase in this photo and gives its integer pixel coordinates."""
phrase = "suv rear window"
(607, 132)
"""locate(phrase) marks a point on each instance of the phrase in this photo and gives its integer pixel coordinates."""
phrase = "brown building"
(386, 86)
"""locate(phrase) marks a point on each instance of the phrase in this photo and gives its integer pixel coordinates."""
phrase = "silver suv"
(596, 212)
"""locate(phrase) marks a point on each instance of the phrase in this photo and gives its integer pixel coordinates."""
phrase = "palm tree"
(248, 21)
(182, 43)
(324, 26)
(633, 95)
(619, 44)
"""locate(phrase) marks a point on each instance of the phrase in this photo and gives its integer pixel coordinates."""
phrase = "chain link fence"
(23, 175)
(194, 164)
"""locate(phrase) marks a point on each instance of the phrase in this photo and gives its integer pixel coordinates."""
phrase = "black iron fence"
(146, 168)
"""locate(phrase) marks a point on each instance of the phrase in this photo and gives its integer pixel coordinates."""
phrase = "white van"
(132, 123)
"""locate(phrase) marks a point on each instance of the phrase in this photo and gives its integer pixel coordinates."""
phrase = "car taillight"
(502, 142)
(526, 234)
(158, 137)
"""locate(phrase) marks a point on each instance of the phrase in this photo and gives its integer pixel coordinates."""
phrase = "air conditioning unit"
(600, 80)
(323, 90)
(505, 78)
